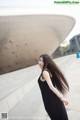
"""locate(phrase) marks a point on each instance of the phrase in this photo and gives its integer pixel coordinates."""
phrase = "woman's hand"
(65, 101)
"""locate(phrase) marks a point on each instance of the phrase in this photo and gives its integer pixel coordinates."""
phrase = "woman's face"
(40, 62)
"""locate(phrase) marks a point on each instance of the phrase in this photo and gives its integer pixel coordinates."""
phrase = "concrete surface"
(14, 86)
(22, 38)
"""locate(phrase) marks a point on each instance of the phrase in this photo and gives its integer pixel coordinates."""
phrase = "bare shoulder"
(45, 73)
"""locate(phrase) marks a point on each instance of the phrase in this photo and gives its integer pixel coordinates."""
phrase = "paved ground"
(31, 106)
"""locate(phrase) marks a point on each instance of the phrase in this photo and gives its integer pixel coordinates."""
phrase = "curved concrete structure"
(24, 37)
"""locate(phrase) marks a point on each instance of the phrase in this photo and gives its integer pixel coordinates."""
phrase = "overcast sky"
(27, 3)
(42, 6)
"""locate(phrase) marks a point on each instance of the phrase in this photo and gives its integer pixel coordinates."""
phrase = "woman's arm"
(49, 82)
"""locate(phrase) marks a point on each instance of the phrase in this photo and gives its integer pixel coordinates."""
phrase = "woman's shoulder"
(48, 71)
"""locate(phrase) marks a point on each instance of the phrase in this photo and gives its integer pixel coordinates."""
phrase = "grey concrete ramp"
(15, 85)
(31, 106)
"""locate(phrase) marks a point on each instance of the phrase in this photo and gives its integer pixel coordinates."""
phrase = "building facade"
(75, 44)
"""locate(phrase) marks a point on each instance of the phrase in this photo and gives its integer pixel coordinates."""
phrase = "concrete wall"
(23, 38)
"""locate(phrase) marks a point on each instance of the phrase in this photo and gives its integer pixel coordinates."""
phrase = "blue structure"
(78, 55)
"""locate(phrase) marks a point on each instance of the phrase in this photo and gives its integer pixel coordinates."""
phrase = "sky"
(8, 7)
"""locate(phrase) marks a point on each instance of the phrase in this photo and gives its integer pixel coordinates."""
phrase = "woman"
(53, 86)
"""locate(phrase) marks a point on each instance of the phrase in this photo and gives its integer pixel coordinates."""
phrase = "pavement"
(31, 106)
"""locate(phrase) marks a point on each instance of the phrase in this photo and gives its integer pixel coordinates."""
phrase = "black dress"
(53, 105)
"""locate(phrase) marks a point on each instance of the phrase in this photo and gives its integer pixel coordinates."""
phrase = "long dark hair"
(61, 82)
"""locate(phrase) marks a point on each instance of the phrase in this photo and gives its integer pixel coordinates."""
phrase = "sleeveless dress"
(53, 105)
